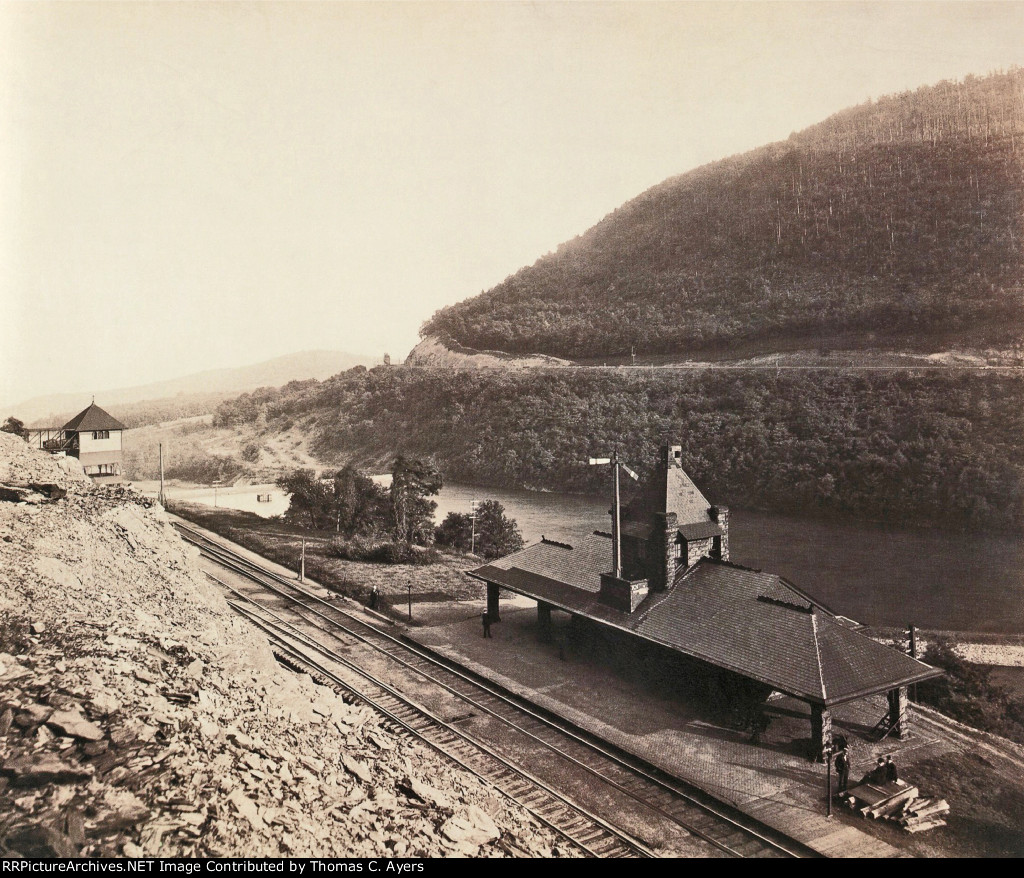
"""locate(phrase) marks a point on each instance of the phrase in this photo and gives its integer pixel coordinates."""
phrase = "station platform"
(773, 781)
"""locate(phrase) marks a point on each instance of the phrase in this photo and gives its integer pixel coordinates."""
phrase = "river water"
(876, 574)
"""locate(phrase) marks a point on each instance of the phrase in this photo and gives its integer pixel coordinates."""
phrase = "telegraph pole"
(163, 499)
(302, 562)
(472, 542)
(912, 629)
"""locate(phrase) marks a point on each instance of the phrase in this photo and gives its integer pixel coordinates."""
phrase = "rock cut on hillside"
(140, 716)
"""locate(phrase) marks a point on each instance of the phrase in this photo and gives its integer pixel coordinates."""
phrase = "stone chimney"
(672, 456)
(720, 545)
(662, 554)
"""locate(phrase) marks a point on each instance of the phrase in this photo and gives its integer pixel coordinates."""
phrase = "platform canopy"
(752, 623)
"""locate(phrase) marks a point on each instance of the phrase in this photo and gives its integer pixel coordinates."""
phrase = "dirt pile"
(140, 715)
(19, 462)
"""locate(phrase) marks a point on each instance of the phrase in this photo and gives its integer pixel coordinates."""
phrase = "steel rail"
(280, 629)
(789, 848)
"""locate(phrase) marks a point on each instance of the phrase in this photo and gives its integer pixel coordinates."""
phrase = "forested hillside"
(898, 222)
(935, 448)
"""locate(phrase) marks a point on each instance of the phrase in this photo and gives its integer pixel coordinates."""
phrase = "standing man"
(843, 770)
(487, 625)
(760, 725)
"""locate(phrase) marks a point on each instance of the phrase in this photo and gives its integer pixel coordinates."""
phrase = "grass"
(282, 542)
(985, 805)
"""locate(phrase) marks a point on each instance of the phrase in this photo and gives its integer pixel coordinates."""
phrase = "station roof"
(93, 418)
(669, 489)
(752, 623)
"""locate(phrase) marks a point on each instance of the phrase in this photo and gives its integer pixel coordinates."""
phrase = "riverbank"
(879, 574)
(446, 580)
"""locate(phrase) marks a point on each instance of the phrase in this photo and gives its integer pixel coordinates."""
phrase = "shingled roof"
(93, 418)
(753, 623)
(669, 489)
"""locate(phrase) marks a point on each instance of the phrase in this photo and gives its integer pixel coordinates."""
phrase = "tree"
(455, 532)
(412, 482)
(15, 426)
(311, 498)
(496, 534)
(359, 504)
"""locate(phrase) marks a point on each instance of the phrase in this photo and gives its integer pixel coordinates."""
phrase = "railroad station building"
(94, 436)
(664, 576)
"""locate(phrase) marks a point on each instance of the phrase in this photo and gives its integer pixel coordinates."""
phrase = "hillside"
(897, 223)
(190, 395)
(931, 448)
(141, 716)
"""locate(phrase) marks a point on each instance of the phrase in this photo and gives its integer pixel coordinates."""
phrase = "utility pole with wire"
(472, 540)
(616, 507)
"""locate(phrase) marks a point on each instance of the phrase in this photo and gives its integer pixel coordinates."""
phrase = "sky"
(190, 186)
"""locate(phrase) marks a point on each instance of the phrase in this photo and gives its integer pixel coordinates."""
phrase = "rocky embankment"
(140, 716)
(432, 351)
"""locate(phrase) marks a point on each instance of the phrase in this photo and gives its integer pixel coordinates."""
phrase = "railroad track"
(587, 831)
(671, 800)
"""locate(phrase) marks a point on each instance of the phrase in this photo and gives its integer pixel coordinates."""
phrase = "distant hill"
(932, 448)
(895, 223)
(194, 394)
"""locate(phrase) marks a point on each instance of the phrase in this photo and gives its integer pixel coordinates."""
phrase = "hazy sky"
(190, 186)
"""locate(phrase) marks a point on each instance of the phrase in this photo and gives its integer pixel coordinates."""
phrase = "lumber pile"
(921, 814)
(898, 802)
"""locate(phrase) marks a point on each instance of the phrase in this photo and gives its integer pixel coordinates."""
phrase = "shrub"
(967, 694)
(375, 552)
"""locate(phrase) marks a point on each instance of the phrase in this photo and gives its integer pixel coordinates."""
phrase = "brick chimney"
(663, 560)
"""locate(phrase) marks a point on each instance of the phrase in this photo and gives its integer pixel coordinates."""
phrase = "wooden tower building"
(94, 437)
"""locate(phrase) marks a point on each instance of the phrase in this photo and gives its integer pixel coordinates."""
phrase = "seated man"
(877, 774)
(891, 774)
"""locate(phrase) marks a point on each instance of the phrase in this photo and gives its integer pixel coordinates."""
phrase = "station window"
(101, 434)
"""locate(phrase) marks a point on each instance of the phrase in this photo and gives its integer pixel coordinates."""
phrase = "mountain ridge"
(900, 218)
(317, 364)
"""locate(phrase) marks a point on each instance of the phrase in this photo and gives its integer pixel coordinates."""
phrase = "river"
(876, 574)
